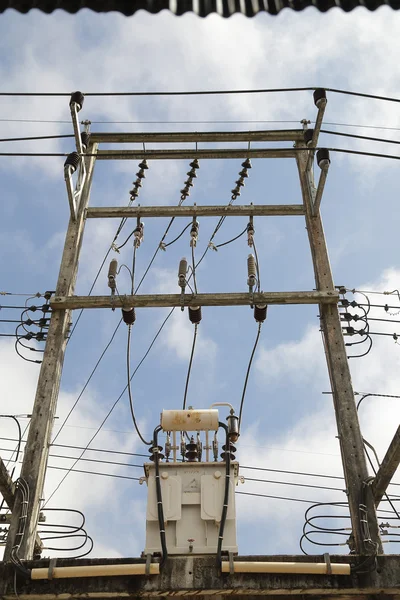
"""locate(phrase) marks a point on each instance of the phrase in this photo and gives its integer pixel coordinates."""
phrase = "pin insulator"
(182, 270)
(72, 160)
(323, 159)
(260, 313)
(246, 164)
(128, 315)
(156, 450)
(251, 270)
(194, 314)
(194, 164)
(319, 94)
(112, 273)
(191, 451)
(78, 98)
(308, 135)
(224, 454)
(85, 137)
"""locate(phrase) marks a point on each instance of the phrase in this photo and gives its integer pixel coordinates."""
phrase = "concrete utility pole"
(365, 534)
(44, 409)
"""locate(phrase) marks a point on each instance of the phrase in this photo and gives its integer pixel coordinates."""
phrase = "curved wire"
(367, 351)
(126, 241)
(248, 373)
(257, 267)
(128, 372)
(190, 366)
(19, 433)
(179, 236)
(233, 239)
(194, 266)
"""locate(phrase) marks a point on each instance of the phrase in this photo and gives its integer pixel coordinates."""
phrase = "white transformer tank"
(192, 496)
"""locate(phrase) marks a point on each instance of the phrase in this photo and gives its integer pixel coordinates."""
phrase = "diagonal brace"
(387, 469)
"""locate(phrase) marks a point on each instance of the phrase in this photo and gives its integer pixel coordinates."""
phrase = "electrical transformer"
(193, 487)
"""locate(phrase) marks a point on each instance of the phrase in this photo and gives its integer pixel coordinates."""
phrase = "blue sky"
(288, 423)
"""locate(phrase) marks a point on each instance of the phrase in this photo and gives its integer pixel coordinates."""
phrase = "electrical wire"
(248, 373)
(117, 156)
(190, 366)
(115, 403)
(233, 239)
(207, 93)
(179, 236)
(198, 122)
(103, 450)
(360, 137)
(38, 137)
(276, 497)
(19, 434)
(128, 373)
(87, 382)
(194, 270)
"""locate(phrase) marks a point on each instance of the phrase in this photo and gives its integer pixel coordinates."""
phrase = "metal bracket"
(327, 560)
(231, 564)
(52, 564)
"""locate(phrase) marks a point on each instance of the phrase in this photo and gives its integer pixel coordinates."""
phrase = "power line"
(248, 373)
(199, 122)
(38, 137)
(359, 137)
(207, 93)
(72, 470)
(325, 131)
(117, 156)
(114, 405)
(190, 365)
(87, 381)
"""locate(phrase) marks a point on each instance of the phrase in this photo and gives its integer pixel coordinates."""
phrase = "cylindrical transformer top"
(190, 420)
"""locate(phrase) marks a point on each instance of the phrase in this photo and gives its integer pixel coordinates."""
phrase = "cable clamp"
(162, 246)
(52, 564)
(212, 246)
(327, 560)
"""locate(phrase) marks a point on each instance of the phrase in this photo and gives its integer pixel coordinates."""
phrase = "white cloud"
(300, 361)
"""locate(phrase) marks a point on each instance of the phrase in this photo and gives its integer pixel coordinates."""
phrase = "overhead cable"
(207, 93)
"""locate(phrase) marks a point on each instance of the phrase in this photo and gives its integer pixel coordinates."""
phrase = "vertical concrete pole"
(37, 447)
(349, 434)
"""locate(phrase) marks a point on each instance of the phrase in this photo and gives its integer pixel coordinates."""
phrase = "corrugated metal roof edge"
(202, 8)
